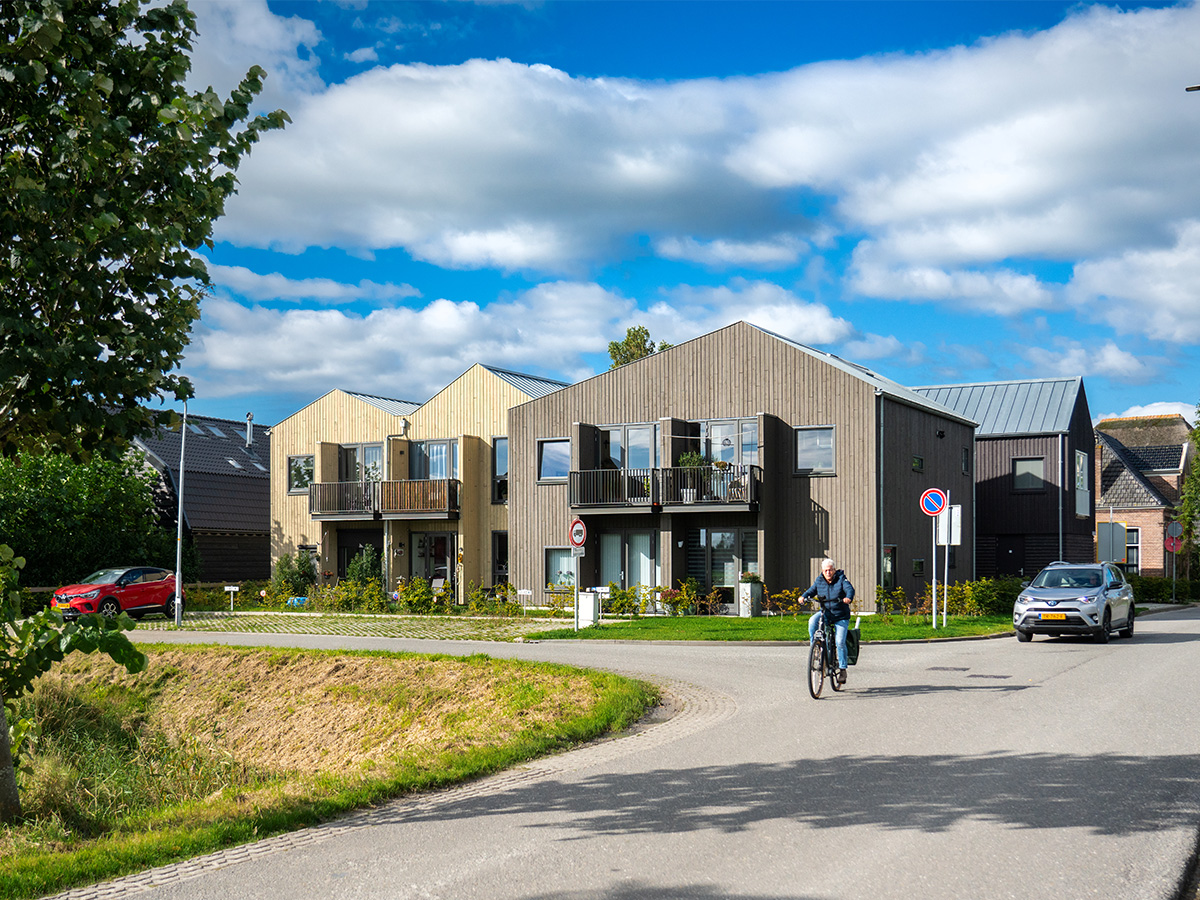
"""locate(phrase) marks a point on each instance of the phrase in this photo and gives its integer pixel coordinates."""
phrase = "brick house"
(1141, 462)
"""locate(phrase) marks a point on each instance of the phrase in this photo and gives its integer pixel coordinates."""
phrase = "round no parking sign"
(933, 501)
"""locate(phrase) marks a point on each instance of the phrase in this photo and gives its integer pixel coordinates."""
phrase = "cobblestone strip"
(692, 708)
(423, 627)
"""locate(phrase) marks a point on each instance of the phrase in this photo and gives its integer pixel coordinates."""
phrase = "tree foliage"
(635, 345)
(111, 176)
(1188, 513)
(70, 519)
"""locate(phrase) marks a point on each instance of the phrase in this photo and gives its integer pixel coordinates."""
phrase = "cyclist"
(834, 590)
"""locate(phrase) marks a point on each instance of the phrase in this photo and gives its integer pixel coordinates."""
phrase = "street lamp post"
(179, 526)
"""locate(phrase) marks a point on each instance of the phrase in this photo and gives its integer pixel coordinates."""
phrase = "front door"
(627, 558)
(435, 556)
(1010, 554)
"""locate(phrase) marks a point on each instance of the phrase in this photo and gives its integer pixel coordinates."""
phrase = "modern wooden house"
(802, 455)
(1141, 462)
(425, 484)
(1033, 482)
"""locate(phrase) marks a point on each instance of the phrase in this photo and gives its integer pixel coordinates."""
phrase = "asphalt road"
(977, 769)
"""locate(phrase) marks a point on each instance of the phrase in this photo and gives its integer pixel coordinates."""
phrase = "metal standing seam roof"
(1031, 406)
(532, 385)
(387, 404)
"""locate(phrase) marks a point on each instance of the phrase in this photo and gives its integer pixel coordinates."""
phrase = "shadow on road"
(1106, 794)
(638, 890)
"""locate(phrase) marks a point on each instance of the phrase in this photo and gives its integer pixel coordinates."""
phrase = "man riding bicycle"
(834, 591)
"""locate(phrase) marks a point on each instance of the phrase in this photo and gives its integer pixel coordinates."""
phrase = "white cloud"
(252, 286)
(1001, 291)
(777, 252)
(690, 311)
(1068, 358)
(878, 346)
(363, 54)
(1067, 143)
(397, 352)
(1158, 408)
(1155, 292)
(237, 34)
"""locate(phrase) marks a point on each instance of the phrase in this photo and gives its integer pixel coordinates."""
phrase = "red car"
(136, 590)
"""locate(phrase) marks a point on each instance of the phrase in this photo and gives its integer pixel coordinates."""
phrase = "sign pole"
(933, 571)
(946, 581)
(933, 501)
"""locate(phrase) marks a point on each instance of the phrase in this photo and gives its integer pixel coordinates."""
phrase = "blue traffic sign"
(933, 501)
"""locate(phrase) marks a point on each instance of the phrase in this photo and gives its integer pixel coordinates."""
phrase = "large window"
(627, 446)
(360, 462)
(554, 459)
(1029, 474)
(434, 460)
(734, 441)
(815, 451)
(1083, 497)
(499, 557)
(300, 473)
(560, 567)
(500, 470)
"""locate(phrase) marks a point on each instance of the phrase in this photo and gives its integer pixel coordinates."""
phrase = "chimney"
(249, 430)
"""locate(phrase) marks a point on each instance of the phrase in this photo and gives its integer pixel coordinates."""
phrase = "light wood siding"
(737, 372)
(471, 411)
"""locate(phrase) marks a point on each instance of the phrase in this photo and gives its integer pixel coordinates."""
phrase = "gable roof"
(882, 384)
(1156, 459)
(1029, 406)
(1121, 484)
(387, 404)
(226, 484)
(532, 385)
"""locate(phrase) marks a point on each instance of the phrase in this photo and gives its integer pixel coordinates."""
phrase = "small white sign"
(949, 526)
(576, 552)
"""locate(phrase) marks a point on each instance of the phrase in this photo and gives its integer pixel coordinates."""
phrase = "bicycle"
(822, 659)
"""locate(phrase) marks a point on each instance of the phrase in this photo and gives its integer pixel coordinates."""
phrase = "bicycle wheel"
(816, 667)
(832, 667)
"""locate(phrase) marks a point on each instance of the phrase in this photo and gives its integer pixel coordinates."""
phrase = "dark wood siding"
(737, 372)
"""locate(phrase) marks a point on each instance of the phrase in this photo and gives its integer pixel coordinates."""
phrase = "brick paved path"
(447, 628)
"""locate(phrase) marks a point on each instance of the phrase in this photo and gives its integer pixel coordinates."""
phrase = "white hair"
(827, 562)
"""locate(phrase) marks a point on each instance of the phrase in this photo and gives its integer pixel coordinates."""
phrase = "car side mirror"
(1024, 584)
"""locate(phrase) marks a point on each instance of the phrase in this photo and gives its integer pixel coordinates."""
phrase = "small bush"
(349, 596)
(366, 566)
(294, 575)
(415, 596)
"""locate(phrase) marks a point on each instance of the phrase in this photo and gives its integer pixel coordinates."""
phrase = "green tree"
(111, 176)
(72, 518)
(635, 345)
(1188, 512)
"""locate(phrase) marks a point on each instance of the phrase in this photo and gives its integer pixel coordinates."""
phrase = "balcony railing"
(614, 487)
(384, 499)
(727, 484)
(630, 488)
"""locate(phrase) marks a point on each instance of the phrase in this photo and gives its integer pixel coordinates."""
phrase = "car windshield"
(104, 576)
(1067, 578)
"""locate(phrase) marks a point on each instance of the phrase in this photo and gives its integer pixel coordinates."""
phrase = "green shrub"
(1157, 589)
(623, 601)
(497, 601)
(349, 596)
(415, 596)
(294, 575)
(366, 566)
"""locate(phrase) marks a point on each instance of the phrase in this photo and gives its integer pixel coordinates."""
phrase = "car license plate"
(1054, 615)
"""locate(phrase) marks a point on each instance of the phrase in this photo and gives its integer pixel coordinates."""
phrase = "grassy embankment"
(212, 747)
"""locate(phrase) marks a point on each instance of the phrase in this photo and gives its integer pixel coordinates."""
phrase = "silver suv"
(1075, 598)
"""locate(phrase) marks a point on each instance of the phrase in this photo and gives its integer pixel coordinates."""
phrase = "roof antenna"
(249, 430)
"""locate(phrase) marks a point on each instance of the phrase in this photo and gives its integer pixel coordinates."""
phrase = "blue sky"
(944, 192)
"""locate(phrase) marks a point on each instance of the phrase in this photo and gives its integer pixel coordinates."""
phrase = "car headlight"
(1087, 599)
(1023, 600)
(90, 595)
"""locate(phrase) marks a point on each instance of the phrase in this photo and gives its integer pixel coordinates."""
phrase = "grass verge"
(212, 747)
(775, 628)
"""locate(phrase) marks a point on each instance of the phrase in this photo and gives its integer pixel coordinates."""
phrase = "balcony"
(371, 500)
(698, 488)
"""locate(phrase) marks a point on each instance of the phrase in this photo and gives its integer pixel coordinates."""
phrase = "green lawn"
(774, 628)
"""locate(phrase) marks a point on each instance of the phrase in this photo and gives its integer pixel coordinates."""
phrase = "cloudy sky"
(941, 191)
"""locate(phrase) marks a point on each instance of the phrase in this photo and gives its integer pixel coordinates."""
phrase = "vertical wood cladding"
(740, 372)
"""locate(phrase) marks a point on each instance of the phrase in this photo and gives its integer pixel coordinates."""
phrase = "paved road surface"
(985, 769)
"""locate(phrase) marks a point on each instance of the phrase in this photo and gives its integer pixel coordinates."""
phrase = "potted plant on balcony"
(690, 459)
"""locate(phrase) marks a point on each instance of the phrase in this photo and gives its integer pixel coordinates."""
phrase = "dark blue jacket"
(831, 594)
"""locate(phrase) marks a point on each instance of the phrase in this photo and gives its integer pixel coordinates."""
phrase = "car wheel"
(169, 608)
(1105, 627)
(109, 608)
(1127, 631)
(1024, 636)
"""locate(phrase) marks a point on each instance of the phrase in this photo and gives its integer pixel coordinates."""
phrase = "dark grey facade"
(806, 456)
(1034, 495)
